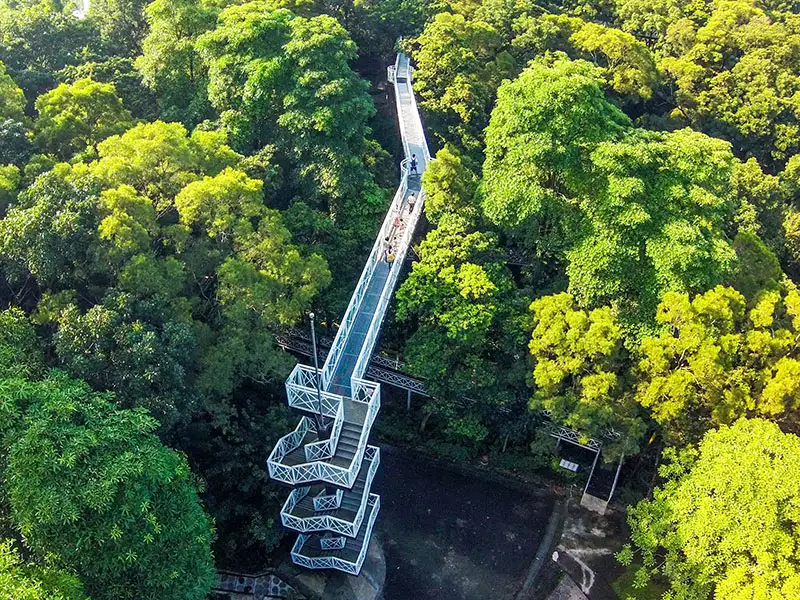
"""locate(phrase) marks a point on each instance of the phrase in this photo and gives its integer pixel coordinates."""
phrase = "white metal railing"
(320, 455)
(332, 543)
(330, 522)
(316, 469)
(324, 449)
(323, 501)
(302, 394)
(333, 562)
(368, 346)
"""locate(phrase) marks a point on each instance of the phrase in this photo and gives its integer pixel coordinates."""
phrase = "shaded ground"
(586, 550)
(454, 537)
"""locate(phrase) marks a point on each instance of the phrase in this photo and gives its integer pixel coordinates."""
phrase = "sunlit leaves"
(725, 521)
(716, 360)
(75, 117)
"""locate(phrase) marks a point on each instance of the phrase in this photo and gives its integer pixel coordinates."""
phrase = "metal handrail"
(323, 522)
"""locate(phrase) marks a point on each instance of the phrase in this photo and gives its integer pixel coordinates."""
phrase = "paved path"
(451, 537)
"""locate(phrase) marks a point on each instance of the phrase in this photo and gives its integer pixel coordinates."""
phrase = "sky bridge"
(327, 458)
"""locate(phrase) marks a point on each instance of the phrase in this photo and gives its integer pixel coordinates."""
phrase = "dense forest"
(613, 240)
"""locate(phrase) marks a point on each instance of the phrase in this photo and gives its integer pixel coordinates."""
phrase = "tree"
(460, 295)
(21, 351)
(449, 187)
(122, 24)
(721, 524)
(736, 75)
(459, 67)
(169, 63)
(659, 206)
(91, 486)
(147, 362)
(570, 180)
(39, 39)
(20, 581)
(543, 127)
(299, 92)
(76, 117)
(715, 361)
(51, 232)
(127, 81)
(581, 372)
(159, 159)
(12, 100)
(9, 184)
(15, 145)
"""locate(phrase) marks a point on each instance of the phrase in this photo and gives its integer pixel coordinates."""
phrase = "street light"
(322, 427)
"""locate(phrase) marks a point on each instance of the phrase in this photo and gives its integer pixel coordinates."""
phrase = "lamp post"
(322, 427)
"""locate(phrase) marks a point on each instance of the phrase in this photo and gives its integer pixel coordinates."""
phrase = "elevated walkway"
(332, 506)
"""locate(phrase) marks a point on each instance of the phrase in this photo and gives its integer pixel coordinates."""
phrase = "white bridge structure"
(332, 506)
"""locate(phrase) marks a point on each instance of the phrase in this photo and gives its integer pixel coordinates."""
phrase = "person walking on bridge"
(413, 164)
(412, 199)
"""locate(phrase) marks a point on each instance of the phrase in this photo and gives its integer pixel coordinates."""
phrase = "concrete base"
(594, 504)
(567, 590)
(335, 585)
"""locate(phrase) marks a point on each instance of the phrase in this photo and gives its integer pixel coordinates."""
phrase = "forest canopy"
(612, 245)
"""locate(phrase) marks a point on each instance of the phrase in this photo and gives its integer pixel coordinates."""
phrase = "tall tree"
(716, 361)
(75, 117)
(581, 372)
(12, 100)
(21, 581)
(92, 487)
(724, 522)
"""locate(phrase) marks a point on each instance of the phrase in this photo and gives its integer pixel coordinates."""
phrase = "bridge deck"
(414, 142)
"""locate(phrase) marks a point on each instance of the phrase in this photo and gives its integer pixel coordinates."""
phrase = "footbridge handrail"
(331, 459)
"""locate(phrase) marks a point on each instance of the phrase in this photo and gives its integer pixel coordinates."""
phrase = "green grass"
(623, 586)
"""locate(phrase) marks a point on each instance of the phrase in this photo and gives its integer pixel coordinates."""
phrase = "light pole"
(322, 427)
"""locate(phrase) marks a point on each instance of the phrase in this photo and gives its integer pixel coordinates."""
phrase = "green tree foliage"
(716, 361)
(459, 67)
(581, 372)
(20, 581)
(21, 352)
(734, 66)
(9, 184)
(50, 232)
(169, 63)
(76, 117)
(15, 144)
(12, 100)
(543, 128)
(121, 23)
(159, 159)
(450, 187)
(723, 523)
(566, 175)
(127, 81)
(92, 487)
(295, 77)
(460, 295)
(39, 38)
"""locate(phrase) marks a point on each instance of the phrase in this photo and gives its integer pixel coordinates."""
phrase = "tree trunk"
(425, 418)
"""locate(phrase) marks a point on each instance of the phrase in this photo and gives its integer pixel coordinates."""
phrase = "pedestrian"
(413, 163)
(397, 220)
(388, 255)
(411, 201)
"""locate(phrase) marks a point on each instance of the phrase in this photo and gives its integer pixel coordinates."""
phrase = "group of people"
(398, 223)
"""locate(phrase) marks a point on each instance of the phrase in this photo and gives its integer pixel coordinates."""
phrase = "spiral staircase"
(332, 505)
